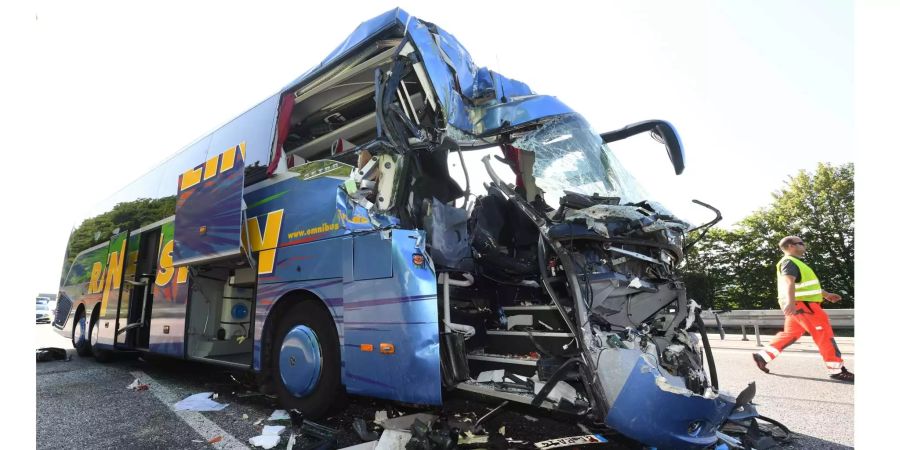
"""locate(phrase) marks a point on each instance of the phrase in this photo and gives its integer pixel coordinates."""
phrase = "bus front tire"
(306, 361)
(79, 335)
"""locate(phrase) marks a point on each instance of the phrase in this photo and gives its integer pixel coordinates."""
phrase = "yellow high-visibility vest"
(807, 290)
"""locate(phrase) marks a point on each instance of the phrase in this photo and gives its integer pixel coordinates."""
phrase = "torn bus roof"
(472, 99)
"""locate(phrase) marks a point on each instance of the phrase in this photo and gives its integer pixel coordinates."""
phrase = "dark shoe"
(845, 375)
(760, 362)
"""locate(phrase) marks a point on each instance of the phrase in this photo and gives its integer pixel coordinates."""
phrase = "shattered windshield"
(569, 156)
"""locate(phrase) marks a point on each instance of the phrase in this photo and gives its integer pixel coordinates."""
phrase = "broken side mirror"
(661, 130)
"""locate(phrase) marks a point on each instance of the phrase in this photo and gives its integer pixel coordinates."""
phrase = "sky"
(756, 92)
(94, 94)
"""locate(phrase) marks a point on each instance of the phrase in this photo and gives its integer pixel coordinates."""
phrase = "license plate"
(570, 441)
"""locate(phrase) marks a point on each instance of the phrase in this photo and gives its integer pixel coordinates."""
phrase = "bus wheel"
(306, 360)
(100, 355)
(79, 335)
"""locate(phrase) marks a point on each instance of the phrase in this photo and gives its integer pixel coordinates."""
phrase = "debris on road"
(291, 441)
(532, 419)
(136, 385)
(199, 402)
(359, 426)
(490, 413)
(405, 423)
(468, 438)
(280, 414)
(364, 446)
(319, 436)
(245, 417)
(52, 354)
(270, 436)
(265, 441)
(434, 436)
(393, 440)
(273, 429)
(214, 440)
(380, 416)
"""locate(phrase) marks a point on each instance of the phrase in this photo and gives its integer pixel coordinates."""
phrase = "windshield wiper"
(705, 226)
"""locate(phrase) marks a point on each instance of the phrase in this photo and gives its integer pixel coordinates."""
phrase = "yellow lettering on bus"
(96, 283)
(228, 159)
(265, 241)
(190, 178)
(211, 168)
(114, 266)
(165, 272)
(228, 156)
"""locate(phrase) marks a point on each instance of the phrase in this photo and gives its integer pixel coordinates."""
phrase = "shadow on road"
(802, 441)
(822, 380)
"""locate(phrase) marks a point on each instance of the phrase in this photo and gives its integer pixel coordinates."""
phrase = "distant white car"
(43, 312)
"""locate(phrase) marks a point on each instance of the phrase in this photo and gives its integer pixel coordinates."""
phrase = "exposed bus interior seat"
(221, 311)
(503, 240)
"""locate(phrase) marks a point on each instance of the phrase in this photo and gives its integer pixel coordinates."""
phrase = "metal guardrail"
(768, 318)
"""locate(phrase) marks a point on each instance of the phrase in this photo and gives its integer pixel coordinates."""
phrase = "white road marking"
(203, 426)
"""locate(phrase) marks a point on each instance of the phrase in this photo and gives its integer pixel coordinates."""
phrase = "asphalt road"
(81, 403)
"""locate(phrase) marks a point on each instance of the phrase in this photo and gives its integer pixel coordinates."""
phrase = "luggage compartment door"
(208, 209)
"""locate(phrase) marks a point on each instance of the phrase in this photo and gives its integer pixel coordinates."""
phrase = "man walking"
(800, 297)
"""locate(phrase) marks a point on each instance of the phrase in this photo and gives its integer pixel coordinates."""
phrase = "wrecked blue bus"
(399, 222)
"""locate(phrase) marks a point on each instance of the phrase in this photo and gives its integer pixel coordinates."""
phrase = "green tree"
(735, 268)
(124, 216)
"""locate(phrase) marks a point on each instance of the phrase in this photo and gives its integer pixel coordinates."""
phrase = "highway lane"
(81, 401)
(797, 392)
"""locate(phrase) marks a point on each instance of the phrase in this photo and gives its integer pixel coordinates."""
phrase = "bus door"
(112, 282)
(137, 302)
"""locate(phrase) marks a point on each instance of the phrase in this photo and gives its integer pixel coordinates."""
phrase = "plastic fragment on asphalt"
(364, 446)
(291, 441)
(404, 423)
(199, 402)
(380, 417)
(471, 438)
(393, 440)
(245, 417)
(265, 441)
(359, 426)
(136, 385)
(273, 430)
(280, 414)
(214, 440)
(502, 430)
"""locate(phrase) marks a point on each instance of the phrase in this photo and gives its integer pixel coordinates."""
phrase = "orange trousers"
(808, 318)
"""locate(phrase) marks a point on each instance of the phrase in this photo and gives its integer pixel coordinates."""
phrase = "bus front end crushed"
(603, 254)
